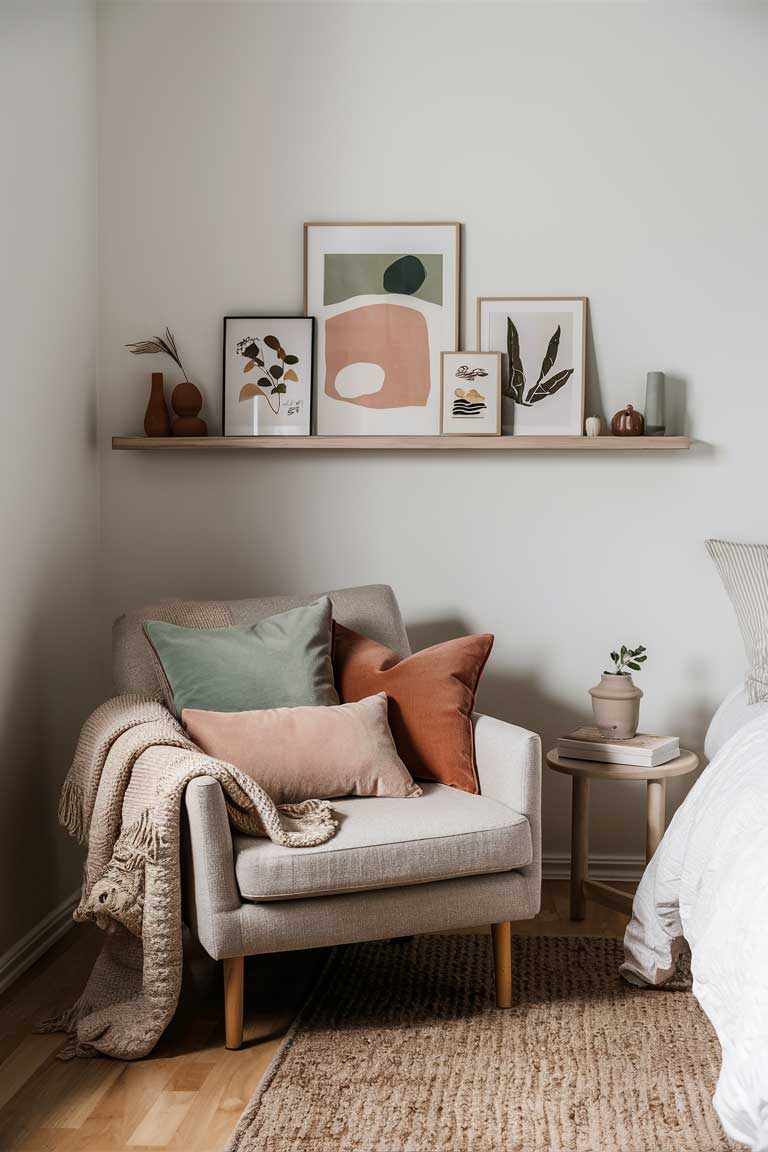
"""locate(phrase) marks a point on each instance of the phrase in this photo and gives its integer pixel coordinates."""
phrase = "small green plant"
(627, 658)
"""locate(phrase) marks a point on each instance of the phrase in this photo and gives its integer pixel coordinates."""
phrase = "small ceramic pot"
(186, 401)
(593, 425)
(628, 422)
(616, 705)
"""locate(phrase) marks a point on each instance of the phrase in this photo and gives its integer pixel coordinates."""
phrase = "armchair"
(395, 867)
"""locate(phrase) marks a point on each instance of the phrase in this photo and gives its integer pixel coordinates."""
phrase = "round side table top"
(595, 770)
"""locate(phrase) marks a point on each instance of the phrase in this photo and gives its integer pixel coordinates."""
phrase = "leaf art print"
(275, 370)
(268, 375)
(546, 385)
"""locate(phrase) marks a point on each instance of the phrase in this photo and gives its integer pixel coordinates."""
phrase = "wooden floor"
(190, 1092)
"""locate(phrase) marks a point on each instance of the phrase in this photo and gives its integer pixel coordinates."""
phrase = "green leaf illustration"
(291, 359)
(276, 371)
(546, 388)
(548, 362)
(631, 664)
(265, 382)
(279, 388)
(516, 383)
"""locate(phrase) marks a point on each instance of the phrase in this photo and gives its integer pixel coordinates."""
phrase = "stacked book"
(641, 750)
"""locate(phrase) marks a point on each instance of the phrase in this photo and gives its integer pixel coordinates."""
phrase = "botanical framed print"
(543, 342)
(471, 394)
(386, 299)
(268, 375)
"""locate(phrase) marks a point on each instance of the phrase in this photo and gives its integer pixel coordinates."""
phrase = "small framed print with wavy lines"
(471, 394)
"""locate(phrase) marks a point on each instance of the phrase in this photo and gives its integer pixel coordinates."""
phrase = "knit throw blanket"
(122, 799)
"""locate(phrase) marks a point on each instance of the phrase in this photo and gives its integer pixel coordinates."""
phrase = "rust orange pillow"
(431, 697)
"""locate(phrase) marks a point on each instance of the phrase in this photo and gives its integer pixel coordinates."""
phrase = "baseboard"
(557, 866)
(37, 941)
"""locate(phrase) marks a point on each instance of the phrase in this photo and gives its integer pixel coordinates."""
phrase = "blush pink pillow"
(308, 753)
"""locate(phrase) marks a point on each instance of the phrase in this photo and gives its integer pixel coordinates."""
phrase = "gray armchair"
(447, 860)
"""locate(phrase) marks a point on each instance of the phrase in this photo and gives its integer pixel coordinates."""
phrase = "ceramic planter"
(616, 705)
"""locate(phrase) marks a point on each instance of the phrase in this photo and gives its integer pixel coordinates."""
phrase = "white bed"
(708, 883)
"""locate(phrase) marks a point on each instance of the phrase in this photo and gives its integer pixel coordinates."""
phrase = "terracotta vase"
(186, 401)
(616, 705)
(628, 422)
(157, 421)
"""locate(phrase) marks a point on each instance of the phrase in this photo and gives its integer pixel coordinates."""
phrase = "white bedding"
(708, 882)
(733, 714)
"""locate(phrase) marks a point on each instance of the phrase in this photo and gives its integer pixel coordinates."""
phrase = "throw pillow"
(305, 753)
(281, 662)
(743, 569)
(431, 699)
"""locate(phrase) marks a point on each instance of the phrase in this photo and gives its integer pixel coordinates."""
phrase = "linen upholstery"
(431, 699)
(508, 764)
(299, 753)
(371, 609)
(509, 769)
(384, 843)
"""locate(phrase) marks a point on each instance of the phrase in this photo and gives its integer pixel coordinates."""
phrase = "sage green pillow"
(281, 662)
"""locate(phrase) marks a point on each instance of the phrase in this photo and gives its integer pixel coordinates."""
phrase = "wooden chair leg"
(502, 959)
(234, 979)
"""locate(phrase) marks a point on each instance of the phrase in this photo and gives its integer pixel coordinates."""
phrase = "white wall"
(48, 462)
(614, 151)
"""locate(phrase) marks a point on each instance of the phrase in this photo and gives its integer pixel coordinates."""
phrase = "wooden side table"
(582, 771)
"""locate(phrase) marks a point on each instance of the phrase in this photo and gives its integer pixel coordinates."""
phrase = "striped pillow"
(744, 571)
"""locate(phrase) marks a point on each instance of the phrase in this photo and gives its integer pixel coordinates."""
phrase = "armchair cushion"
(431, 698)
(388, 843)
(281, 662)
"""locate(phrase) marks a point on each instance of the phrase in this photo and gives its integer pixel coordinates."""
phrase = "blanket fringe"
(68, 1020)
(141, 837)
(71, 815)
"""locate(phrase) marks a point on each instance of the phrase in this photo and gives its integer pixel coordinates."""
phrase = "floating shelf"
(407, 443)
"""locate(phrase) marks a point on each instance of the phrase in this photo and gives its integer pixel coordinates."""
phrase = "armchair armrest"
(509, 770)
(211, 892)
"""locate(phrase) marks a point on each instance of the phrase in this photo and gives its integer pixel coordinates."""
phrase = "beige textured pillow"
(308, 753)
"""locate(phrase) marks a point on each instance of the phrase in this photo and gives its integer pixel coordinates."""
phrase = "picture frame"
(543, 343)
(386, 297)
(470, 385)
(268, 369)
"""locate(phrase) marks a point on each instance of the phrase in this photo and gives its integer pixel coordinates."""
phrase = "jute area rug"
(401, 1049)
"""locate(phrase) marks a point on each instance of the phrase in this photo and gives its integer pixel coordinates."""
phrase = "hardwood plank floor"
(190, 1092)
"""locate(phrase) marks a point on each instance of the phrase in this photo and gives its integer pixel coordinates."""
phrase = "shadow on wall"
(52, 677)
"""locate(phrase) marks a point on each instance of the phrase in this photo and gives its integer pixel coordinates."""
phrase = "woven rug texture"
(401, 1049)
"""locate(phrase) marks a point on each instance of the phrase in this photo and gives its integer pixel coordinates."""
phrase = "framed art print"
(543, 342)
(268, 375)
(386, 300)
(471, 394)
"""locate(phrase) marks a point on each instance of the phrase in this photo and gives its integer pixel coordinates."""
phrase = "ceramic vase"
(628, 422)
(616, 705)
(157, 422)
(186, 401)
(593, 425)
(654, 404)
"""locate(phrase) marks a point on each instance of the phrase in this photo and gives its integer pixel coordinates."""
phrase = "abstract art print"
(268, 375)
(471, 389)
(543, 342)
(386, 300)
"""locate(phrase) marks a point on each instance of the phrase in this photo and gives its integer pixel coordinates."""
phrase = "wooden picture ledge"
(403, 443)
